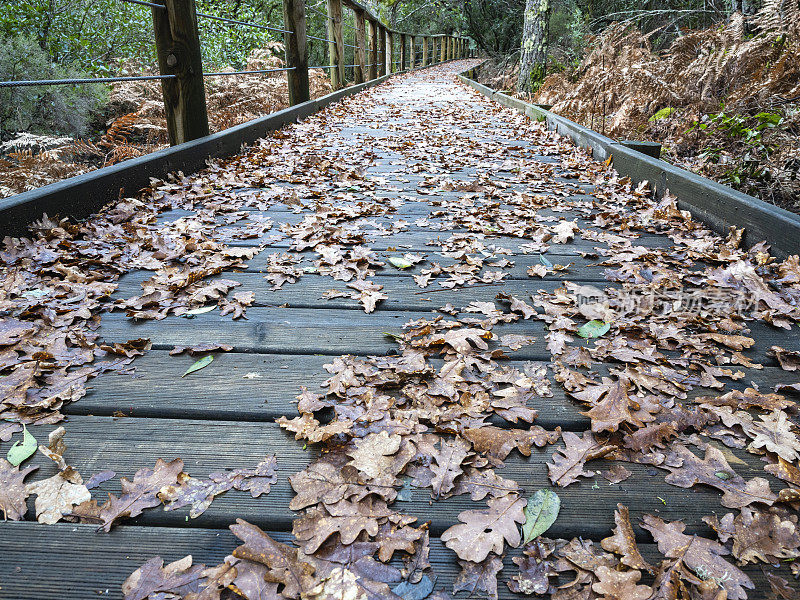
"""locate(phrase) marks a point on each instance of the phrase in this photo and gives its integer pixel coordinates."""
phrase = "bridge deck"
(424, 149)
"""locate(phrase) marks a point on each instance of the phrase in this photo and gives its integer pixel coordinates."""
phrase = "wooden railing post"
(178, 49)
(360, 69)
(389, 52)
(336, 43)
(372, 70)
(425, 51)
(441, 48)
(403, 52)
(294, 19)
(383, 44)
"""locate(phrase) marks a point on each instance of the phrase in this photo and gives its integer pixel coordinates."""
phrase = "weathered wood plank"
(221, 390)
(294, 331)
(404, 294)
(68, 562)
(275, 329)
(124, 445)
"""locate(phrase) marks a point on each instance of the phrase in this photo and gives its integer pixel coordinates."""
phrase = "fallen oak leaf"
(611, 405)
(774, 434)
(617, 585)
(497, 443)
(479, 483)
(154, 578)
(57, 495)
(789, 360)
(714, 470)
(568, 463)
(768, 536)
(13, 492)
(446, 464)
(199, 493)
(485, 531)
(285, 565)
(700, 554)
(346, 518)
(56, 447)
(535, 569)
(478, 576)
(137, 495)
(623, 542)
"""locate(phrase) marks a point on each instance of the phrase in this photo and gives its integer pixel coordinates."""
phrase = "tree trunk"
(533, 61)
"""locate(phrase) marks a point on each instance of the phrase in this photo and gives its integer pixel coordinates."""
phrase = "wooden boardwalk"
(440, 161)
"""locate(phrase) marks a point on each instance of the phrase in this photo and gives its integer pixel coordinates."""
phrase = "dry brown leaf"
(485, 531)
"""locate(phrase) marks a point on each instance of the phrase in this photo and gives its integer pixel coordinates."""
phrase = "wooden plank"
(425, 51)
(67, 562)
(295, 331)
(294, 19)
(125, 445)
(579, 269)
(179, 54)
(404, 294)
(336, 43)
(423, 240)
(221, 390)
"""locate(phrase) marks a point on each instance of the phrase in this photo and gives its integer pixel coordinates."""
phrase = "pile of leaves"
(722, 101)
(137, 124)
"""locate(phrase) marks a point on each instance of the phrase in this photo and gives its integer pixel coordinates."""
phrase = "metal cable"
(235, 22)
(224, 73)
(313, 37)
(323, 67)
(150, 4)
(81, 81)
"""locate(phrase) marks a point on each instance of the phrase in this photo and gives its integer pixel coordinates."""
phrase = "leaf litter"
(445, 411)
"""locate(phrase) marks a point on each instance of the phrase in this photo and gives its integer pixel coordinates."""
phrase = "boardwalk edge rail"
(717, 205)
(80, 196)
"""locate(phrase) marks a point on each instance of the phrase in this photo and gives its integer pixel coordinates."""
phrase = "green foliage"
(63, 109)
(83, 34)
(750, 166)
(103, 36)
(567, 35)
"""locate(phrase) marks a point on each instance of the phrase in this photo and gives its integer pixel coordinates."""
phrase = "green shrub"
(63, 109)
